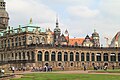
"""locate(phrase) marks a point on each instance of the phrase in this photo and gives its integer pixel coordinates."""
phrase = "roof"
(79, 41)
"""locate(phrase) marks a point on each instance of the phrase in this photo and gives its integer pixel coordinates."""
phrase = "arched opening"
(23, 55)
(59, 56)
(93, 57)
(59, 64)
(65, 56)
(71, 56)
(105, 57)
(39, 56)
(71, 64)
(98, 55)
(87, 57)
(118, 56)
(46, 64)
(33, 55)
(19, 56)
(77, 56)
(112, 57)
(16, 56)
(53, 56)
(28, 55)
(82, 56)
(46, 56)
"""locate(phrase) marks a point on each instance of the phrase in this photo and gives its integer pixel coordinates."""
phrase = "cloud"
(82, 11)
(21, 11)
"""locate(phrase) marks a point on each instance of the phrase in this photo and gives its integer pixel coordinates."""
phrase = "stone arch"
(71, 56)
(46, 56)
(32, 55)
(93, 57)
(39, 56)
(98, 56)
(105, 64)
(77, 56)
(72, 64)
(65, 56)
(53, 56)
(105, 57)
(59, 56)
(88, 57)
(82, 56)
(19, 55)
(112, 57)
(47, 64)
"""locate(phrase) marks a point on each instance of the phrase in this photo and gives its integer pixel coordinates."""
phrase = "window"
(112, 57)
(30, 38)
(59, 56)
(71, 56)
(39, 56)
(98, 55)
(93, 57)
(87, 57)
(65, 56)
(53, 56)
(82, 56)
(77, 56)
(47, 56)
(105, 56)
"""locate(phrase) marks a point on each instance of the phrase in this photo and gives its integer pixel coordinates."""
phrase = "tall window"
(19, 56)
(23, 55)
(12, 42)
(105, 56)
(8, 43)
(33, 55)
(118, 56)
(77, 56)
(82, 56)
(19, 41)
(112, 57)
(71, 56)
(98, 55)
(47, 56)
(59, 56)
(4, 43)
(65, 56)
(28, 55)
(87, 57)
(16, 41)
(93, 57)
(39, 56)
(53, 56)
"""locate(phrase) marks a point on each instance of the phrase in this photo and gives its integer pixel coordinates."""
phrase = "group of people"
(2, 71)
(45, 68)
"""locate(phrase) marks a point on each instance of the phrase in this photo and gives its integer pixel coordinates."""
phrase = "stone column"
(117, 57)
(90, 56)
(68, 56)
(62, 56)
(26, 56)
(79, 56)
(102, 56)
(56, 57)
(109, 56)
(85, 57)
(95, 56)
(35, 53)
(74, 54)
(43, 56)
(50, 56)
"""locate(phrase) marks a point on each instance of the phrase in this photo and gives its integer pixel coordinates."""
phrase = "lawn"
(53, 76)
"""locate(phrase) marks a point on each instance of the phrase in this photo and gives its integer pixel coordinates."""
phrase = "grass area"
(53, 76)
(107, 71)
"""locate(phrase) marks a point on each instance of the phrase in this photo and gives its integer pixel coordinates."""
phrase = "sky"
(79, 17)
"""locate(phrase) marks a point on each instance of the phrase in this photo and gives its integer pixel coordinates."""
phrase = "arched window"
(19, 56)
(87, 57)
(28, 55)
(53, 56)
(112, 57)
(24, 55)
(93, 57)
(46, 56)
(118, 56)
(71, 56)
(8, 43)
(82, 56)
(77, 56)
(39, 56)
(16, 41)
(105, 56)
(98, 55)
(33, 55)
(15, 55)
(65, 56)
(59, 56)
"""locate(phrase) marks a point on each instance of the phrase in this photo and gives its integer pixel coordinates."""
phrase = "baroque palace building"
(31, 45)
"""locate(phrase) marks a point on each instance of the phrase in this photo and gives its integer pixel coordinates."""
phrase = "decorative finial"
(31, 21)
(56, 20)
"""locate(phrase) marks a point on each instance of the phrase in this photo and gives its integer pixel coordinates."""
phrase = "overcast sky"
(80, 17)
